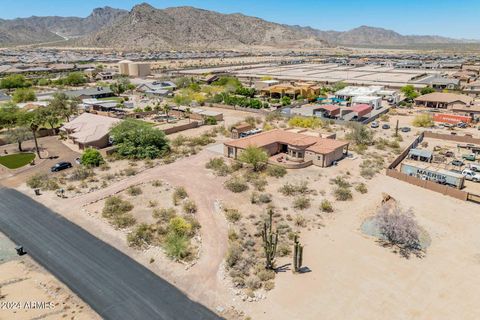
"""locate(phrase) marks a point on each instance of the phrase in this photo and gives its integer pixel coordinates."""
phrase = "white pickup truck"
(471, 175)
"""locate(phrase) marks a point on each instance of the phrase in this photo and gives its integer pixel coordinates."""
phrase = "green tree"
(135, 139)
(427, 90)
(32, 120)
(23, 95)
(9, 115)
(91, 158)
(338, 86)
(423, 120)
(19, 135)
(409, 92)
(74, 79)
(254, 156)
(14, 81)
(360, 134)
(121, 85)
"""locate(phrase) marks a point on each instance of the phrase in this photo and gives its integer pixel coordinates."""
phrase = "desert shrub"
(289, 189)
(301, 203)
(164, 214)
(91, 158)
(260, 198)
(115, 206)
(179, 194)
(80, 173)
(123, 220)
(236, 185)
(36, 181)
(232, 215)
(189, 207)
(284, 250)
(326, 206)
(340, 182)
(399, 229)
(129, 172)
(219, 166)
(370, 167)
(269, 285)
(362, 188)
(258, 182)
(234, 254)
(179, 226)
(253, 283)
(104, 167)
(157, 183)
(152, 203)
(276, 171)
(264, 274)
(177, 246)
(342, 194)
(134, 191)
(300, 221)
(424, 120)
(359, 134)
(141, 236)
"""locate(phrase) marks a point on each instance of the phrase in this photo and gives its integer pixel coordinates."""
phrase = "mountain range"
(147, 28)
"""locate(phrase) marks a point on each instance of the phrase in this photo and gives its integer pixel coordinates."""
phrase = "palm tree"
(166, 108)
(188, 113)
(32, 120)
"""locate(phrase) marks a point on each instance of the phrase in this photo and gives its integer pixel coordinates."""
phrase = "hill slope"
(191, 28)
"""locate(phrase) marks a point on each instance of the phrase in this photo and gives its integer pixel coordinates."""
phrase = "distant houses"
(90, 93)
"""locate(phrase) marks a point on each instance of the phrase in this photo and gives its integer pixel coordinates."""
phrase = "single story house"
(357, 112)
(297, 149)
(354, 91)
(90, 93)
(90, 130)
(439, 83)
(262, 84)
(441, 100)
(472, 88)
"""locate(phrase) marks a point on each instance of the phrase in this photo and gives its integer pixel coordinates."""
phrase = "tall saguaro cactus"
(270, 240)
(297, 255)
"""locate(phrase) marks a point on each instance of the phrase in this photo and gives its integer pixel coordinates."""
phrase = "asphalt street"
(112, 283)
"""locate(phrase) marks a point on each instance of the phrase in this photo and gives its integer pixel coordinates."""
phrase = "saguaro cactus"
(297, 255)
(270, 240)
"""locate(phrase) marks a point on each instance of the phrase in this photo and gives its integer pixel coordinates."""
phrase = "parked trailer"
(428, 172)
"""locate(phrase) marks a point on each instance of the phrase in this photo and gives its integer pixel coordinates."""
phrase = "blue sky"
(452, 18)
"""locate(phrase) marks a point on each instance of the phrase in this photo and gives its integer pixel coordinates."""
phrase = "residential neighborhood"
(211, 171)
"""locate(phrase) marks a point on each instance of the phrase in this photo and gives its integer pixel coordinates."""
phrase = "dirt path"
(203, 281)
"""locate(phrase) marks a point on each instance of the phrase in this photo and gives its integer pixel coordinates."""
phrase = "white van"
(471, 175)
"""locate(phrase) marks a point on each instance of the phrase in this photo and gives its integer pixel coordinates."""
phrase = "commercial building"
(90, 130)
(134, 69)
(291, 149)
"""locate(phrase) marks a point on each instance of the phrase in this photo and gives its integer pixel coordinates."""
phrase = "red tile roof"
(310, 143)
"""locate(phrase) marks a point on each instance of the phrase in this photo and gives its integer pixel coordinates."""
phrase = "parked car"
(471, 175)
(374, 125)
(386, 126)
(462, 125)
(449, 154)
(457, 163)
(60, 166)
(474, 167)
(405, 129)
(469, 157)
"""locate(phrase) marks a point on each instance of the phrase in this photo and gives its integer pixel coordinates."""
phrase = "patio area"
(283, 160)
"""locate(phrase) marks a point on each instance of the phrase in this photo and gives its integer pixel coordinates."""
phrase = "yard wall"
(430, 185)
(182, 127)
(451, 137)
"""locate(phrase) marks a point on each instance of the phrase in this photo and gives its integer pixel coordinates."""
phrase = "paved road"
(114, 285)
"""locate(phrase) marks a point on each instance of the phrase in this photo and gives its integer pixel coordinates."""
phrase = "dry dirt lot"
(23, 283)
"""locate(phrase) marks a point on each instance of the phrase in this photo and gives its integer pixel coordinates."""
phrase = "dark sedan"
(60, 166)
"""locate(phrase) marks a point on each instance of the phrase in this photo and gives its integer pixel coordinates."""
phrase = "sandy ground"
(27, 291)
(354, 278)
